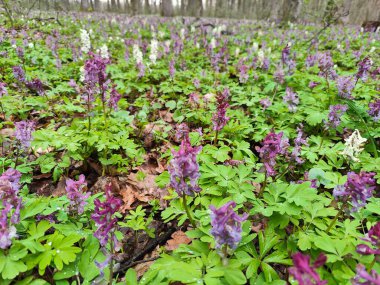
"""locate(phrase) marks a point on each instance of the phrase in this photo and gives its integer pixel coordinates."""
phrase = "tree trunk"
(84, 5)
(146, 7)
(195, 8)
(167, 8)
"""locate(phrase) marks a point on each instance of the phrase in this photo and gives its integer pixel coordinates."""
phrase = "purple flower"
(75, 193)
(243, 73)
(182, 132)
(19, 73)
(172, 68)
(311, 60)
(184, 168)
(291, 98)
(374, 110)
(313, 84)
(359, 187)
(326, 65)
(265, 103)
(141, 67)
(336, 112)
(279, 75)
(36, 85)
(285, 55)
(226, 225)
(373, 237)
(3, 89)
(219, 119)
(23, 132)
(9, 190)
(345, 86)
(95, 73)
(103, 216)
(114, 98)
(272, 146)
(364, 278)
(304, 272)
(20, 52)
(197, 83)
(364, 67)
(299, 141)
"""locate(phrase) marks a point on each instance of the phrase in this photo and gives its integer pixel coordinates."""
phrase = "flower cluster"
(184, 168)
(103, 216)
(219, 119)
(104, 53)
(299, 141)
(359, 187)
(9, 189)
(326, 66)
(19, 73)
(334, 116)
(86, 42)
(226, 225)
(373, 237)
(291, 99)
(3, 89)
(36, 85)
(374, 110)
(304, 272)
(354, 146)
(153, 51)
(364, 67)
(364, 278)
(137, 54)
(345, 86)
(272, 146)
(75, 193)
(23, 132)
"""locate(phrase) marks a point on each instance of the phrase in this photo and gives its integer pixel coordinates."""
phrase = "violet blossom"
(23, 132)
(279, 75)
(103, 216)
(184, 168)
(326, 66)
(291, 99)
(334, 116)
(364, 278)
(19, 73)
(299, 141)
(36, 85)
(346, 85)
(313, 84)
(304, 272)
(9, 190)
(197, 83)
(374, 110)
(75, 193)
(172, 68)
(359, 187)
(226, 225)
(265, 103)
(3, 89)
(114, 98)
(272, 146)
(219, 119)
(373, 237)
(364, 67)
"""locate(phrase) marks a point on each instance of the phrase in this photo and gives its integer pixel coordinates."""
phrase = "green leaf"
(131, 277)
(234, 276)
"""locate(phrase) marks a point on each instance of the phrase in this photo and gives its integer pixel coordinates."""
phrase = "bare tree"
(195, 8)
(167, 8)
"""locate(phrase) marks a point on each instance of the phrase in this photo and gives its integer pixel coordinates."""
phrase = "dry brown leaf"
(128, 195)
(143, 267)
(178, 238)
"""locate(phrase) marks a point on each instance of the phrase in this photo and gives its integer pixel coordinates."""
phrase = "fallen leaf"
(178, 238)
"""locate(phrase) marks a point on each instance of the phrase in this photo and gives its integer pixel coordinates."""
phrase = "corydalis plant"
(291, 99)
(184, 171)
(219, 119)
(304, 272)
(359, 188)
(334, 116)
(23, 132)
(76, 193)
(272, 146)
(364, 278)
(226, 227)
(9, 190)
(374, 110)
(373, 238)
(354, 146)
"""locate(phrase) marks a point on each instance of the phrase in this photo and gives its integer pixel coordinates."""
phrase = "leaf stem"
(335, 218)
(188, 211)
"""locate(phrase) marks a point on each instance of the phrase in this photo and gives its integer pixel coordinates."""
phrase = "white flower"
(213, 43)
(137, 54)
(104, 51)
(81, 78)
(260, 57)
(86, 42)
(237, 52)
(197, 45)
(153, 51)
(255, 46)
(31, 45)
(182, 34)
(353, 146)
(372, 49)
